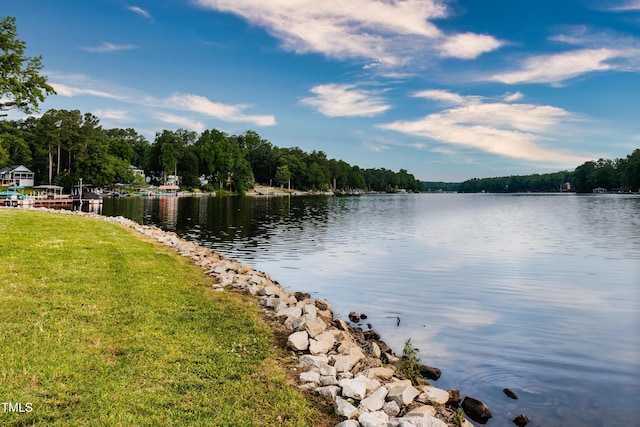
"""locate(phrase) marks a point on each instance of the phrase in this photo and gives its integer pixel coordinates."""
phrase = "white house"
(17, 175)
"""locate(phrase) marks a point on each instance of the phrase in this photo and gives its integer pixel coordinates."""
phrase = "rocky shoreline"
(353, 370)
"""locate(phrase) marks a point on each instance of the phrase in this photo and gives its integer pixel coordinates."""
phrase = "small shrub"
(409, 365)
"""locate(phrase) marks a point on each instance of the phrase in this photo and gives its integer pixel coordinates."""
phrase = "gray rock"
(328, 392)
(310, 360)
(290, 312)
(426, 421)
(328, 380)
(433, 394)
(402, 395)
(348, 423)
(344, 408)
(373, 419)
(326, 369)
(345, 363)
(421, 411)
(310, 377)
(322, 343)
(310, 310)
(375, 401)
(298, 341)
(391, 408)
(354, 387)
(315, 326)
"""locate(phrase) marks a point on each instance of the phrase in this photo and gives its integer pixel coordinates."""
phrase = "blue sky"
(449, 90)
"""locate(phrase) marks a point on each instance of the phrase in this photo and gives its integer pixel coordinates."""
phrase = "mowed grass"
(99, 327)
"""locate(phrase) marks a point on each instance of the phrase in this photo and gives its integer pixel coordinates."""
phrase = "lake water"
(536, 293)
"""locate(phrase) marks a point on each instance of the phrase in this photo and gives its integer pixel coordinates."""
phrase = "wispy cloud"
(625, 6)
(183, 122)
(109, 47)
(344, 100)
(80, 85)
(112, 114)
(443, 96)
(63, 89)
(559, 67)
(512, 97)
(520, 131)
(140, 11)
(228, 113)
(591, 52)
(389, 32)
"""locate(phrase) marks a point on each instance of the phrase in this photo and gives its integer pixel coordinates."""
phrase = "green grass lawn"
(99, 327)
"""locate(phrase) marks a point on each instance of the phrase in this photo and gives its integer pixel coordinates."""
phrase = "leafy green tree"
(283, 175)
(21, 85)
(14, 149)
(138, 145)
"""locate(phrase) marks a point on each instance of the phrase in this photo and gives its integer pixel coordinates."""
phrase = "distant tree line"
(518, 183)
(620, 175)
(449, 187)
(63, 146)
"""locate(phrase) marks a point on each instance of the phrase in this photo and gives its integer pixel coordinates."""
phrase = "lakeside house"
(17, 175)
(599, 190)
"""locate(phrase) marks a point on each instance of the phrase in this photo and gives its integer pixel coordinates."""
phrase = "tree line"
(619, 175)
(62, 146)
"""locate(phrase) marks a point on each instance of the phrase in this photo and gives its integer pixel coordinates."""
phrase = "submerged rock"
(510, 393)
(521, 420)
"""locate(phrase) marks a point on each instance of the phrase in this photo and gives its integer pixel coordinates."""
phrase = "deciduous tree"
(21, 84)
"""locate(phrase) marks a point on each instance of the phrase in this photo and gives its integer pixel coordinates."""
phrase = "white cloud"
(468, 45)
(79, 85)
(109, 47)
(511, 97)
(140, 11)
(563, 66)
(520, 131)
(183, 122)
(626, 6)
(391, 32)
(111, 114)
(344, 100)
(70, 91)
(442, 96)
(228, 113)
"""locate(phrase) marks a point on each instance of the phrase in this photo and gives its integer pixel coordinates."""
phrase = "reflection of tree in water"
(238, 226)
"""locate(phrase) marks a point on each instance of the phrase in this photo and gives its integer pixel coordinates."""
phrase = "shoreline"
(350, 369)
